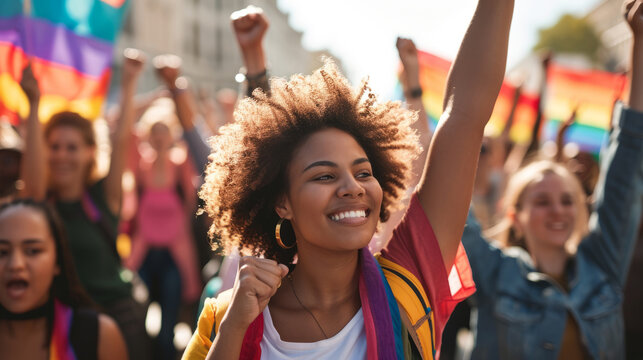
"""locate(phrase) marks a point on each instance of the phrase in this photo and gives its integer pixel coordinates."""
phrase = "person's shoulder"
(111, 344)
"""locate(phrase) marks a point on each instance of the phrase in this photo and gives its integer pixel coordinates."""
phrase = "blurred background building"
(600, 39)
(199, 31)
(615, 35)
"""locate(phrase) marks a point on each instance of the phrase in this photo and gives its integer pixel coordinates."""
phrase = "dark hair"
(249, 160)
(72, 120)
(66, 286)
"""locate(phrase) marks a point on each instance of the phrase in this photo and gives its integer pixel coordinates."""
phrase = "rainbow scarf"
(70, 44)
(60, 347)
(383, 328)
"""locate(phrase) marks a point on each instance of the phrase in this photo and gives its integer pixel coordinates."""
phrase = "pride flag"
(70, 43)
(593, 93)
(433, 78)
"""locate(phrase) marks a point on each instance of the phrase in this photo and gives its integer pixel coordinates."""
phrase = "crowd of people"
(350, 229)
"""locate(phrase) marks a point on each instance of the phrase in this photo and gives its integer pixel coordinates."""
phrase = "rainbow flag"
(70, 44)
(433, 76)
(593, 93)
(433, 80)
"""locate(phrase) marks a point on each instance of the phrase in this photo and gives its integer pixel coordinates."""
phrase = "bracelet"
(259, 80)
(415, 93)
(258, 76)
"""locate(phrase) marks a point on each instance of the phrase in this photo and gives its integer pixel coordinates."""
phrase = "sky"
(362, 33)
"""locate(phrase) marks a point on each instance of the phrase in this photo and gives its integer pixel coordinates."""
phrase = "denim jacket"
(521, 312)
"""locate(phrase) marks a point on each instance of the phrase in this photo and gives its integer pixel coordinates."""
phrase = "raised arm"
(634, 16)
(33, 164)
(250, 26)
(560, 137)
(132, 68)
(472, 87)
(619, 191)
(168, 68)
(413, 94)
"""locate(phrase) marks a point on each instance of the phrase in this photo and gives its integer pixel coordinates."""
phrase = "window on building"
(218, 52)
(196, 38)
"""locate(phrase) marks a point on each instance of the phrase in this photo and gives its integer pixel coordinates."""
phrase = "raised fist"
(257, 281)
(133, 63)
(29, 85)
(250, 26)
(168, 67)
(408, 53)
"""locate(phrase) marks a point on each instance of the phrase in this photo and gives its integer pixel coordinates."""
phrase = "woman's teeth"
(557, 226)
(348, 214)
(16, 288)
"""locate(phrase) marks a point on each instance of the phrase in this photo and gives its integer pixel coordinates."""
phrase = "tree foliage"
(570, 35)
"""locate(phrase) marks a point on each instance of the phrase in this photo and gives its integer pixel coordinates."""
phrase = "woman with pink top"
(162, 248)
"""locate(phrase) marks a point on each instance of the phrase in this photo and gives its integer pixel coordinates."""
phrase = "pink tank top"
(161, 217)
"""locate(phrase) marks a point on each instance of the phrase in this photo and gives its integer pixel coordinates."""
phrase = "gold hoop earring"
(278, 235)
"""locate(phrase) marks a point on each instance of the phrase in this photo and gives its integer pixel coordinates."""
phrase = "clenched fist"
(257, 281)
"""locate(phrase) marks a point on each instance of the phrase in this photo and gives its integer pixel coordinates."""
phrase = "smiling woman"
(322, 115)
(302, 179)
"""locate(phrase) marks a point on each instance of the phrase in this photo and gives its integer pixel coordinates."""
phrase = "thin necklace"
(292, 286)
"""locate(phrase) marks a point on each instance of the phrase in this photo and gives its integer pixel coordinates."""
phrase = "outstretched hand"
(633, 12)
(29, 85)
(250, 26)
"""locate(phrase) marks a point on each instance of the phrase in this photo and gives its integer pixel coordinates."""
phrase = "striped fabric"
(70, 43)
(383, 328)
(60, 347)
(594, 93)
(433, 77)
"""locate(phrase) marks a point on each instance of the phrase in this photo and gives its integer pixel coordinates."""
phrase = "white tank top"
(349, 343)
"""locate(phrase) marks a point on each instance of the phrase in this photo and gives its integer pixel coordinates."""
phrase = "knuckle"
(246, 260)
(246, 270)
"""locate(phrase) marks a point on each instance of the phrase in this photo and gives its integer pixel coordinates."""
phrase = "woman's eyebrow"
(320, 163)
(32, 241)
(361, 161)
(332, 164)
(25, 241)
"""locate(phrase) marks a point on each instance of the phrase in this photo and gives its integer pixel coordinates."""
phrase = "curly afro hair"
(249, 161)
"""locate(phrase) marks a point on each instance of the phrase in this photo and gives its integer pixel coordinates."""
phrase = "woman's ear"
(283, 208)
